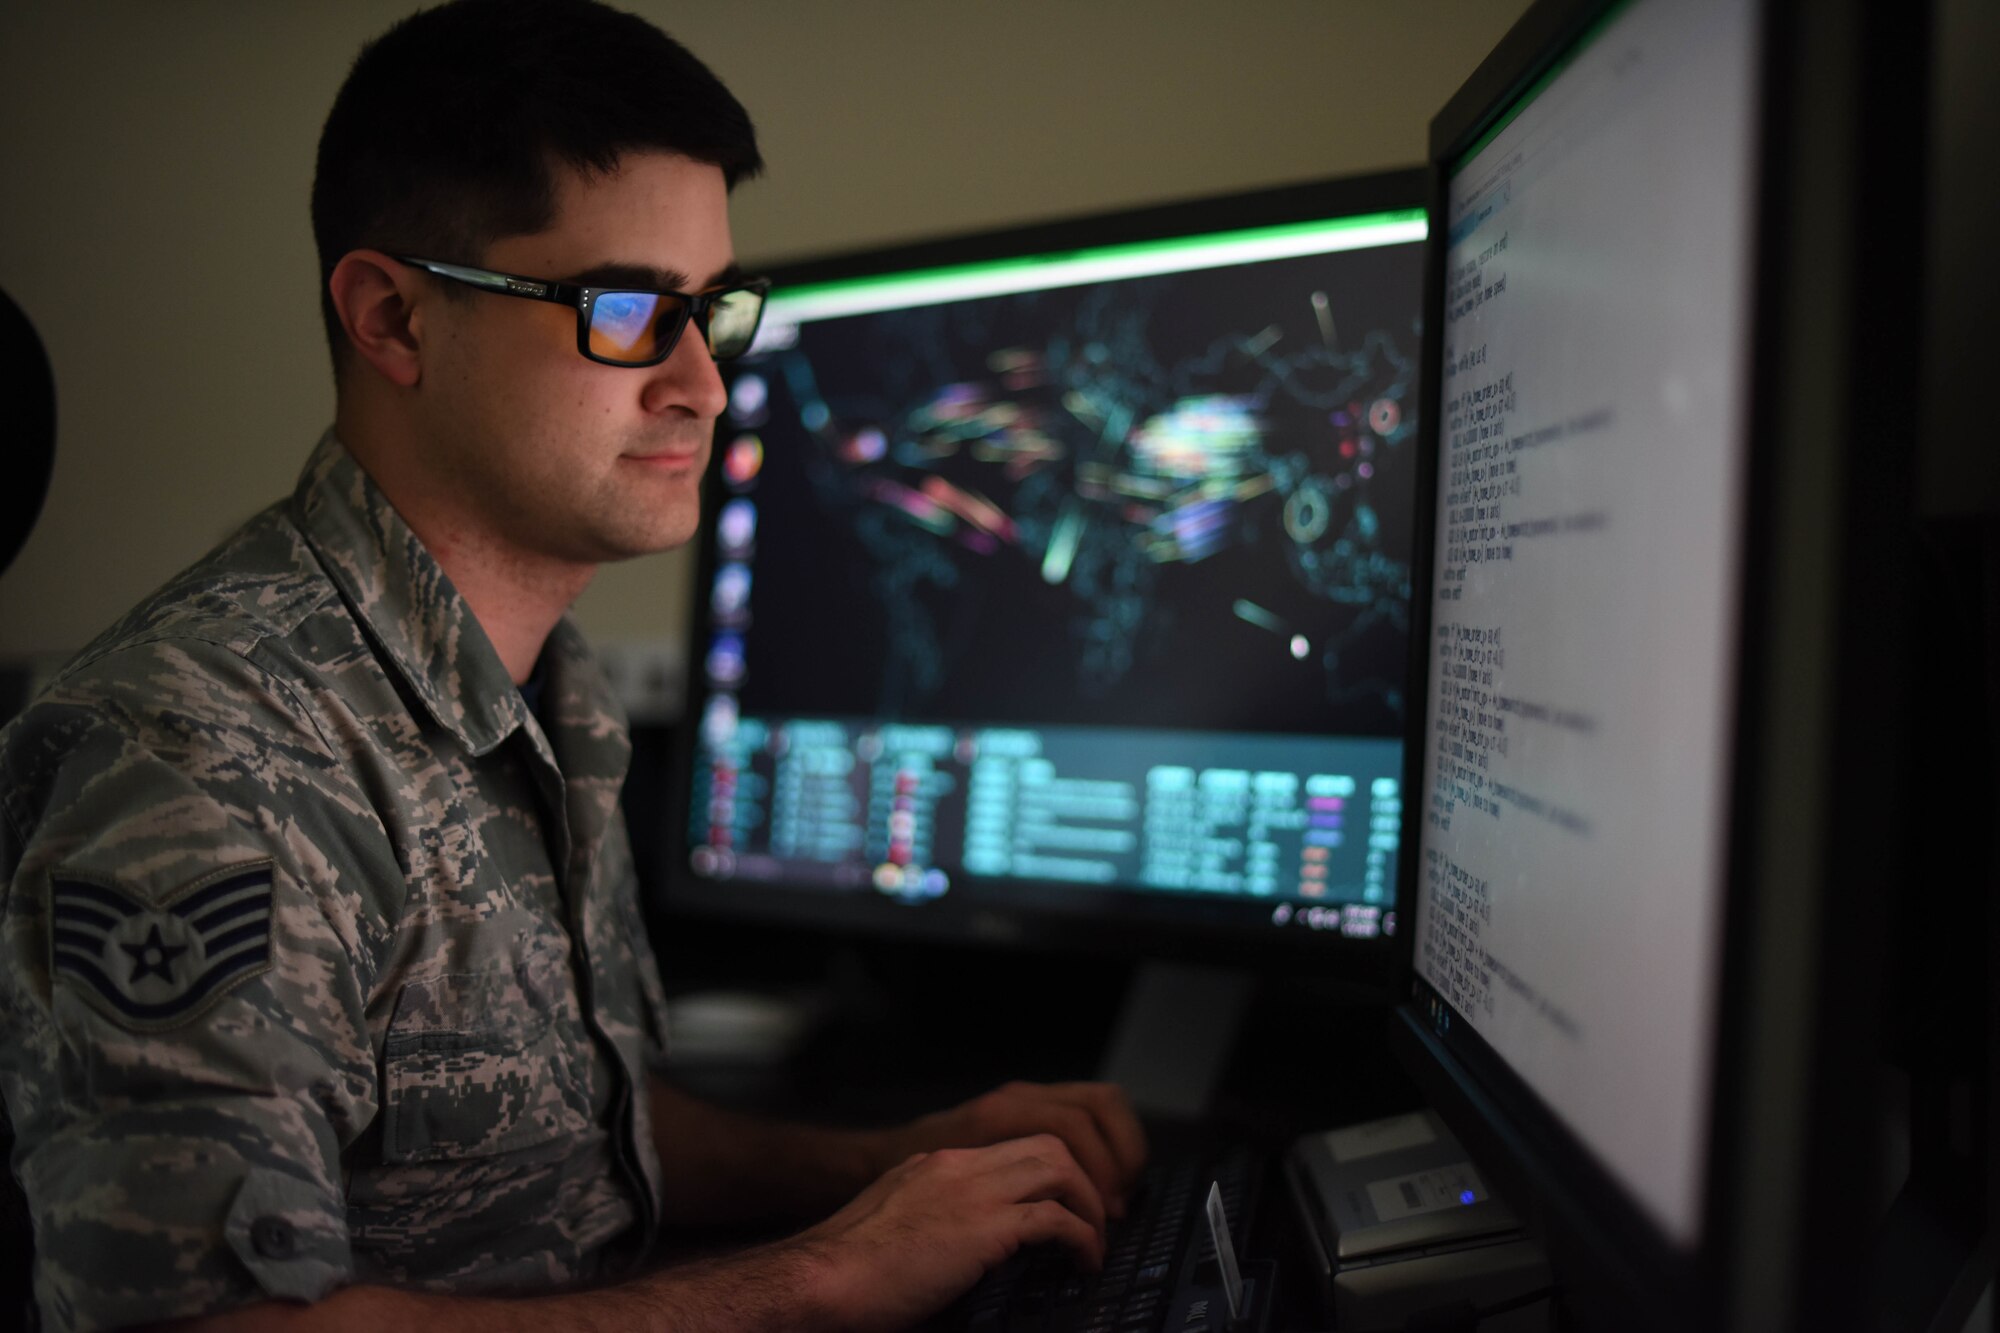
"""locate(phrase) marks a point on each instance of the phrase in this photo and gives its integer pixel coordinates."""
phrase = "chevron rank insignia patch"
(152, 968)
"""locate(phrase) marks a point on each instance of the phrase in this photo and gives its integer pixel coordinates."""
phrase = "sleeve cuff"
(287, 1235)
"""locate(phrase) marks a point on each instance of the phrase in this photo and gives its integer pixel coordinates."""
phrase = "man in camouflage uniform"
(325, 999)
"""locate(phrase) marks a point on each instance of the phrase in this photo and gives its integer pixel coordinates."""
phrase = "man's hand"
(1095, 1121)
(724, 1166)
(927, 1229)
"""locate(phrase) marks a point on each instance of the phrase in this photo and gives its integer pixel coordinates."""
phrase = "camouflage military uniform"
(322, 960)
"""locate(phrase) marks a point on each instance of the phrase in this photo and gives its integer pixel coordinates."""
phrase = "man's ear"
(376, 299)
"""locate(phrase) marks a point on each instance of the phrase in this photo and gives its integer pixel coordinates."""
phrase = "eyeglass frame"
(694, 305)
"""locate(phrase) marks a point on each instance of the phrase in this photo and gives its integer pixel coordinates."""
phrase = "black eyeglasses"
(623, 326)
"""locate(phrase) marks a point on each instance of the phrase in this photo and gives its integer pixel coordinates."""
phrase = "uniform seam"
(304, 709)
(239, 646)
(279, 685)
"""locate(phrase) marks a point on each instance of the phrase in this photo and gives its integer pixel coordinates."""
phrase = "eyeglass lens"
(636, 326)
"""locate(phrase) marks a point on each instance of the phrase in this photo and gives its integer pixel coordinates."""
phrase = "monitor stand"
(1173, 1036)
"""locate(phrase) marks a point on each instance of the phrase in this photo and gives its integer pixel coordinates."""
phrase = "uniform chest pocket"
(475, 1064)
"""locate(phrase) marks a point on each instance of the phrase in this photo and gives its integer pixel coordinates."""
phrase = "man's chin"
(652, 541)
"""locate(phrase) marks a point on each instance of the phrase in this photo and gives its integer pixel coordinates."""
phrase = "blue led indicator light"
(1466, 1197)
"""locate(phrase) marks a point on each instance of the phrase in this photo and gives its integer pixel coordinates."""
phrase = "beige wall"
(155, 159)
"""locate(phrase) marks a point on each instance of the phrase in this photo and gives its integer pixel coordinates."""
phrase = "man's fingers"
(1047, 1220)
(1095, 1119)
(1108, 1106)
(1077, 1128)
(1042, 1168)
(971, 1207)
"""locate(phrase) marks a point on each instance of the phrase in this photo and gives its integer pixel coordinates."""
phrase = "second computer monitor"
(1057, 583)
(1658, 756)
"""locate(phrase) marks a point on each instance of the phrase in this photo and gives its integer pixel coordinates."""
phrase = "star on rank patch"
(153, 967)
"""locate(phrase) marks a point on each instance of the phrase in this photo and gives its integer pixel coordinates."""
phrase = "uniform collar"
(586, 726)
(402, 595)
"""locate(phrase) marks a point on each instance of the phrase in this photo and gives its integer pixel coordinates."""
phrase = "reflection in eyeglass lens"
(733, 322)
(624, 325)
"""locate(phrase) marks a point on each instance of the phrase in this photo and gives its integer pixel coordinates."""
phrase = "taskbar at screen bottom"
(916, 811)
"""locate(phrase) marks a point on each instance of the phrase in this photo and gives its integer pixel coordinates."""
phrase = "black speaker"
(27, 428)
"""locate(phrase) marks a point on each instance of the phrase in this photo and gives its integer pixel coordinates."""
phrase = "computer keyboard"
(1159, 1269)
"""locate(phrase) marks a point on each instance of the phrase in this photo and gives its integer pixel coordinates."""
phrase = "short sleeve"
(184, 1048)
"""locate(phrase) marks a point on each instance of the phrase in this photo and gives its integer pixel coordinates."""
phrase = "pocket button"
(274, 1238)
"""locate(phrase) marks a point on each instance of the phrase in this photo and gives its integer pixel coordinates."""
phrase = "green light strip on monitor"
(1540, 85)
(860, 296)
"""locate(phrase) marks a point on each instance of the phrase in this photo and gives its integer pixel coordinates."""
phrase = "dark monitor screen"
(1061, 578)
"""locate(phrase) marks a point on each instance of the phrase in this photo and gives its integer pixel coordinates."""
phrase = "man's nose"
(688, 378)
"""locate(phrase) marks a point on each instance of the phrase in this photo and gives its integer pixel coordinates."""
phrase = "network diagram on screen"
(1099, 584)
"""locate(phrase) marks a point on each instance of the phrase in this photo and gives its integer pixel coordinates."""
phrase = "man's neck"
(518, 608)
(516, 596)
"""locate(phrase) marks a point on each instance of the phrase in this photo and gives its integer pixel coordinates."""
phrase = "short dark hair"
(446, 135)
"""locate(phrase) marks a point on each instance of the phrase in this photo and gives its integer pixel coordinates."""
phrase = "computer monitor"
(1055, 583)
(1661, 446)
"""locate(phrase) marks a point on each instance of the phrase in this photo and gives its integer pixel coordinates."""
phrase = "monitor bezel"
(1129, 926)
(1796, 1038)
